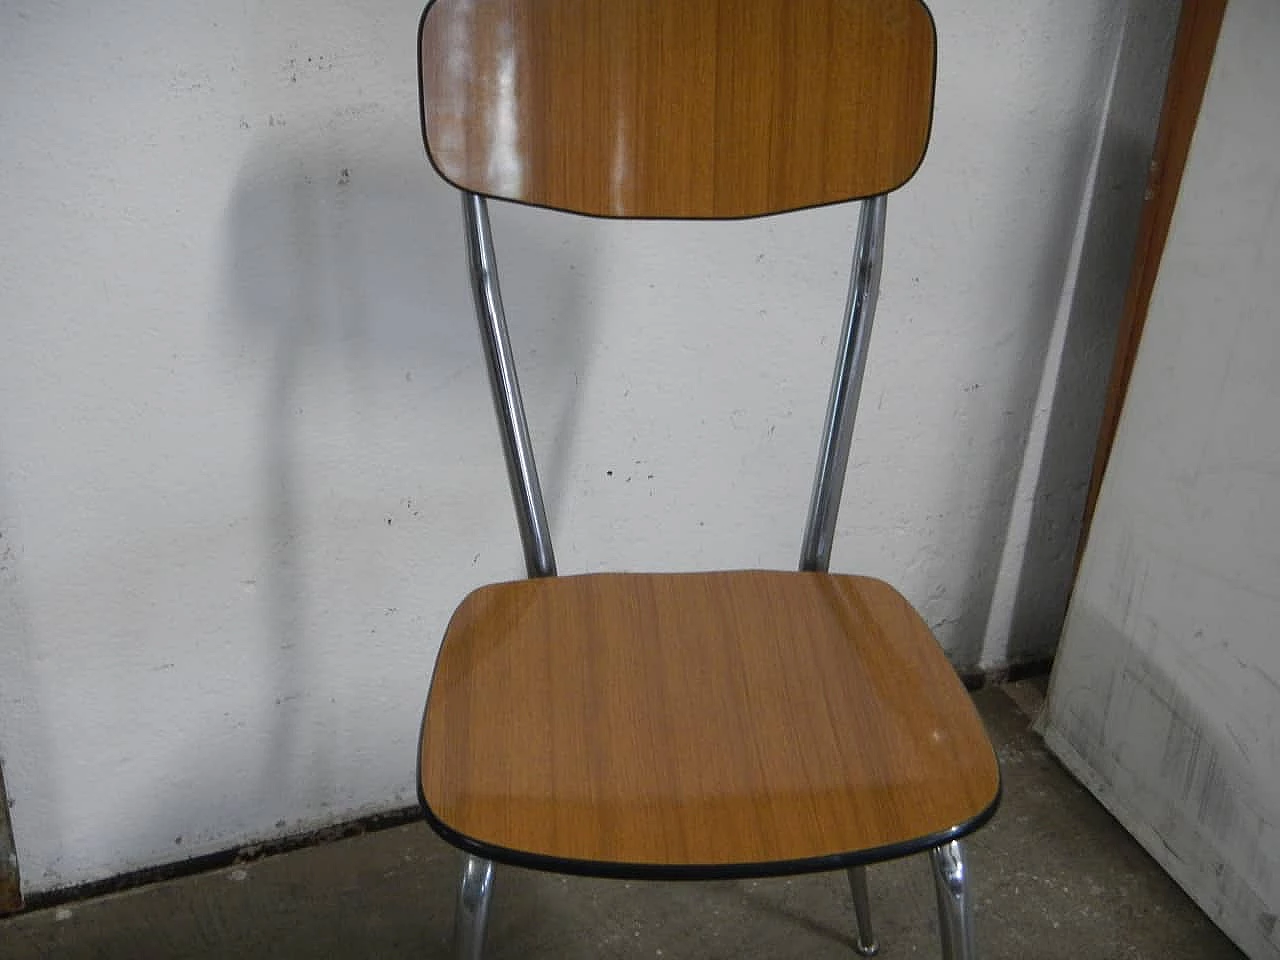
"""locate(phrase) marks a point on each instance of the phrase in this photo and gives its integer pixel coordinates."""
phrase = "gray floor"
(1056, 878)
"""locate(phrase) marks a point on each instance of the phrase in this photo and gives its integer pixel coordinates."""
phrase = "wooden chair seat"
(699, 725)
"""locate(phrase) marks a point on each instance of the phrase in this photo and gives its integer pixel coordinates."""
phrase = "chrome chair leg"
(955, 905)
(471, 913)
(865, 944)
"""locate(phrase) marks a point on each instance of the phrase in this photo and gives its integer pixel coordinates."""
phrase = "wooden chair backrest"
(692, 109)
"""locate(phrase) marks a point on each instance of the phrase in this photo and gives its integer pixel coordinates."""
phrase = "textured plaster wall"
(247, 463)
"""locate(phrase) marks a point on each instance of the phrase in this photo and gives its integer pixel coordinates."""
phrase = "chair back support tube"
(846, 385)
(517, 448)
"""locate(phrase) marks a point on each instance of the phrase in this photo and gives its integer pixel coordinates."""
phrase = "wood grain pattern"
(633, 724)
(677, 108)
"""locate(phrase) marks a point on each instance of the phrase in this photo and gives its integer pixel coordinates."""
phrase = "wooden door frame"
(1199, 24)
(10, 885)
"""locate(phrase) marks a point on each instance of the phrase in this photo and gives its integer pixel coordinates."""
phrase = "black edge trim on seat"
(613, 870)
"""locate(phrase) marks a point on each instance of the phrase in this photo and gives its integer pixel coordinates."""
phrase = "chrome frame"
(955, 906)
(865, 944)
(842, 405)
(471, 911)
(475, 886)
(833, 454)
(846, 385)
(526, 491)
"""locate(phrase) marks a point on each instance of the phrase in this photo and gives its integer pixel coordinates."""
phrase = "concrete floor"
(1056, 877)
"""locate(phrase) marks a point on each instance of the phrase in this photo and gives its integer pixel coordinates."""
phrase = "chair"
(710, 725)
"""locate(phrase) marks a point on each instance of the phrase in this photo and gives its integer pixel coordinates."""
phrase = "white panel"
(1166, 693)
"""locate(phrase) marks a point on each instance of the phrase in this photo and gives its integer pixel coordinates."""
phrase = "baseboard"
(1011, 673)
(221, 858)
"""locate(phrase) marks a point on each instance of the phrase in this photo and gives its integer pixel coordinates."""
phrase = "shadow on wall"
(1035, 331)
(1098, 206)
(343, 273)
(1110, 233)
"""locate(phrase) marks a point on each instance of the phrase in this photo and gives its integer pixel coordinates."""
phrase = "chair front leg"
(471, 914)
(865, 944)
(955, 905)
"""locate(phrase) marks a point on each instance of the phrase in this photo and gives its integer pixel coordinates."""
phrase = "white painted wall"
(247, 463)
(1166, 694)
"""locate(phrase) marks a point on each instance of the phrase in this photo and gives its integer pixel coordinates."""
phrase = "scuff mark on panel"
(1130, 710)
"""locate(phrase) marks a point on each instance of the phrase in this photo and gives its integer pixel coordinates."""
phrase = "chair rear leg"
(955, 904)
(865, 944)
(471, 913)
